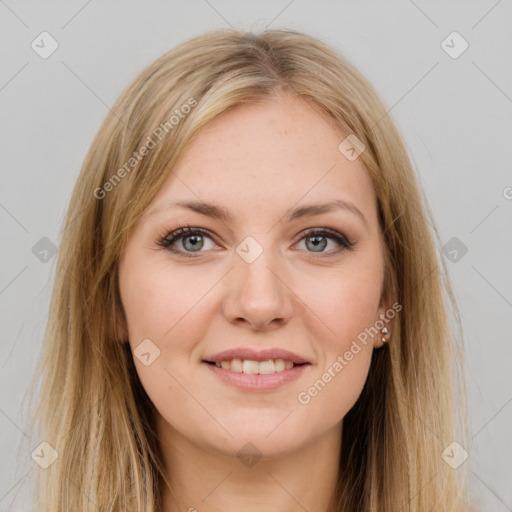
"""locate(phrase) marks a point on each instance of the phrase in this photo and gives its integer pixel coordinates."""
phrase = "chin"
(256, 445)
(271, 437)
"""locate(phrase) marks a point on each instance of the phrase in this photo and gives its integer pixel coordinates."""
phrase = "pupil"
(196, 244)
(318, 242)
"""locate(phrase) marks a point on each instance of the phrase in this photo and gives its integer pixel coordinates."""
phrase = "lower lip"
(258, 382)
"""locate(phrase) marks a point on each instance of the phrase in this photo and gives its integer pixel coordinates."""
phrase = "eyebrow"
(222, 214)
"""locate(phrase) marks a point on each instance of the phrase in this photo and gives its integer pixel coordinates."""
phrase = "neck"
(204, 480)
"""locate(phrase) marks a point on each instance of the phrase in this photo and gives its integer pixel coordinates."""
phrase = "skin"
(258, 161)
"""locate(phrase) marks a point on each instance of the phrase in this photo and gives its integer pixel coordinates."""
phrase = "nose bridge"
(258, 293)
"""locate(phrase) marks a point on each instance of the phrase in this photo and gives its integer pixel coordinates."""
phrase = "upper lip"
(256, 355)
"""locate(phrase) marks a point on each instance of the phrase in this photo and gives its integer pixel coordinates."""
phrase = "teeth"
(235, 366)
(265, 367)
(251, 367)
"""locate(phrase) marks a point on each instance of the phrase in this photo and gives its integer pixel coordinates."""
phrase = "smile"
(251, 367)
(250, 375)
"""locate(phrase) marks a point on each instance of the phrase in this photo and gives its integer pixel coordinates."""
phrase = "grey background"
(455, 115)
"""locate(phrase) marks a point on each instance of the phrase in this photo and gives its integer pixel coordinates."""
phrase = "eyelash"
(184, 232)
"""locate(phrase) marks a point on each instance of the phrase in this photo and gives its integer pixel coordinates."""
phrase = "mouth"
(253, 367)
(256, 370)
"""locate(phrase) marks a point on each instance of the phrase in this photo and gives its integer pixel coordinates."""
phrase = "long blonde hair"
(92, 408)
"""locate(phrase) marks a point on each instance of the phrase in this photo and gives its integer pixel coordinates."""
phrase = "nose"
(258, 295)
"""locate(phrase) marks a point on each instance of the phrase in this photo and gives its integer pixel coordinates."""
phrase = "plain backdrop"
(453, 109)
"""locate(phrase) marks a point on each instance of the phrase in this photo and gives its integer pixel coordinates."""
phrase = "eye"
(186, 241)
(316, 240)
(192, 240)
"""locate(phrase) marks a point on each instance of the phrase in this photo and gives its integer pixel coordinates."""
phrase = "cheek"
(168, 308)
(347, 307)
(346, 302)
(159, 302)
(172, 310)
(354, 310)
(334, 390)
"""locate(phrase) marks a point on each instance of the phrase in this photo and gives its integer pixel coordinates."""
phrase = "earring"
(384, 331)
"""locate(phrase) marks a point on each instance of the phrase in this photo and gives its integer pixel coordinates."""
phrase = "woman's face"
(256, 284)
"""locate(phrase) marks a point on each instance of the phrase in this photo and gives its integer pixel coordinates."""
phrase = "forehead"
(267, 157)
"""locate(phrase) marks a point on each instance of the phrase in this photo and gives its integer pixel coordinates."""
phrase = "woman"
(248, 311)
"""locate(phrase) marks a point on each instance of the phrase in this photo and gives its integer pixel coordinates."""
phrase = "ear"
(386, 320)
